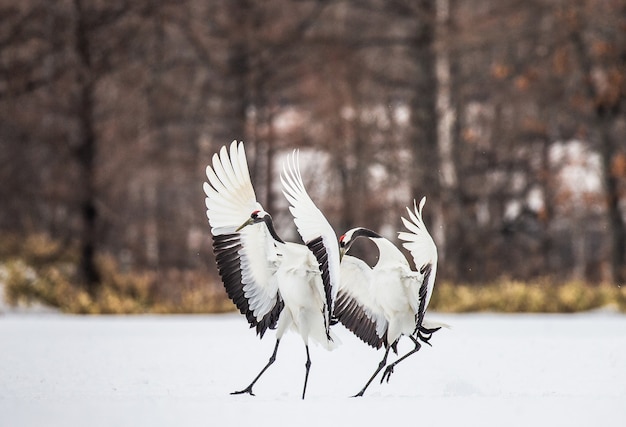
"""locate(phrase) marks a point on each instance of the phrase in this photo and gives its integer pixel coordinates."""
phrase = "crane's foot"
(244, 391)
(272, 359)
(425, 339)
(425, 334)
(429, 331)
(381, 365)
(387, 373)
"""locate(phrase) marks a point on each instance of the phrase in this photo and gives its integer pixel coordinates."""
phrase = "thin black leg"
(389, 370)
(307, 366)
(272, 359)
(381, 365)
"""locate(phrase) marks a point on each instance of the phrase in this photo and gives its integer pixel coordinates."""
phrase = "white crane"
(380, 304)
(276, 285)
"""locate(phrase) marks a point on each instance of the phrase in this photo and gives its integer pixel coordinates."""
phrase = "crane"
(275, 284)
(379, 304)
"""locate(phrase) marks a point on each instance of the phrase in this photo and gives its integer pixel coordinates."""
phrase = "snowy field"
(488, 370)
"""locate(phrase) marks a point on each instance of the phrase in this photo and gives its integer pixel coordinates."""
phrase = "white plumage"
(380, 304)
(274, 284)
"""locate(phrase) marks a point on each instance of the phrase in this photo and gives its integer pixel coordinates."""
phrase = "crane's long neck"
(355, 234)
(270, 227)
(365, 232)
(388, 253)
(360, 232)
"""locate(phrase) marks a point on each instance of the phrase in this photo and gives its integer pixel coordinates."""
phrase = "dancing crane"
(380, 304)
(276, 285)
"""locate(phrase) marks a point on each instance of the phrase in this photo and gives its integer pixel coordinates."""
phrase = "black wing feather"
(226, 248)
(319, 250)
(426, 270)
(353, 316)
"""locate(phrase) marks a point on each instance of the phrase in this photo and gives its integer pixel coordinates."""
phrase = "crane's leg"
(381, 365)
(307, 366)
(389, 370)
(272, 359)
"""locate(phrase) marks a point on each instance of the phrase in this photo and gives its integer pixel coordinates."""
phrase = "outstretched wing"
(247, 261)
(314, 229)
(230, 197)
(261, 305)
(424, 252)
(355, 308)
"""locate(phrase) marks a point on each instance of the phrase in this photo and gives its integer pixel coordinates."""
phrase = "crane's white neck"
(388, 253)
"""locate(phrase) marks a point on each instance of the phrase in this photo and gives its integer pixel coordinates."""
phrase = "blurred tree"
(35, 141)
(515, 97)
(87, 147)
(598, 37)
(109, 112)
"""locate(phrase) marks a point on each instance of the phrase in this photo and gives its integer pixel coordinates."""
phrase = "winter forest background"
(508, 115)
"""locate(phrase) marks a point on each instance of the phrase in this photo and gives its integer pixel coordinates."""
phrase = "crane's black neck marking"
(361, 232)
(270, 226)
(365, 232)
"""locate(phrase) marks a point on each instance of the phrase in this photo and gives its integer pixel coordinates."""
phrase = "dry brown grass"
(509, 296)
(120, 293)
(38, 269)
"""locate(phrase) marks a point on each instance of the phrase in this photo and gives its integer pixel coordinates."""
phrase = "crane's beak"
(342, 252)
(245, 224)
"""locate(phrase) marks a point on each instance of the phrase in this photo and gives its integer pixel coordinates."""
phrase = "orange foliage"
(618, 165)
(534, 125)
(500, 71)
(602, 48)
(560, 62)
(522, 83)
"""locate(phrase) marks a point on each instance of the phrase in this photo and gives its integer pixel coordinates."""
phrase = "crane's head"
(349, 237)
(258, 216)
(255, 217)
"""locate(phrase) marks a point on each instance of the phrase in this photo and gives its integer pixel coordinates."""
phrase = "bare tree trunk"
(86, 155)
(607, 111)
(449, 238)
(423, 106)
(445, 112)
(617, 227)
(424, 130)
(545, 179)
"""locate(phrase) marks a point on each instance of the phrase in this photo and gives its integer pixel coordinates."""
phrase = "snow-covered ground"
(499, 370)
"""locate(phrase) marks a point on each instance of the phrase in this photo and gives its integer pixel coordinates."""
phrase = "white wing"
(313, 227)
(355, 307)
(230, 197)
(422, 247)
(247, 261)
